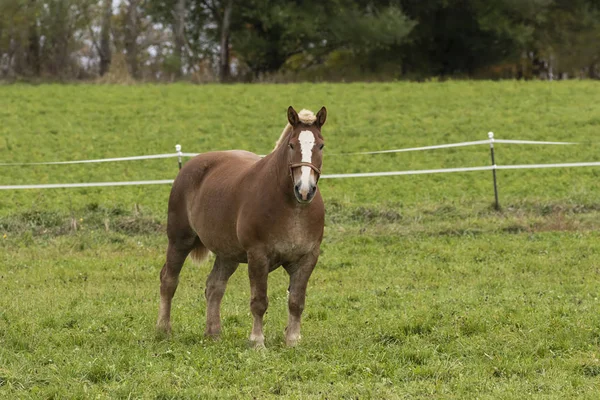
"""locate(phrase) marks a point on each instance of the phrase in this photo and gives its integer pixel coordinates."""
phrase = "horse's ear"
(321, 117)
(292, 115)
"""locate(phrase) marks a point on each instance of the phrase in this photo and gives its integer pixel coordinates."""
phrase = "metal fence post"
(179, 154)
(491, 137)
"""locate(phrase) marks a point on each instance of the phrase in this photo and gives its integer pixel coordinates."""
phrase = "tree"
(548, 36)
(131, 32)
(33, 53)
(246, 40)
(573, 37)
(187, 21)
(104, 49)
(15, 29)
(224, 67)
(267, 33)
(179, 35)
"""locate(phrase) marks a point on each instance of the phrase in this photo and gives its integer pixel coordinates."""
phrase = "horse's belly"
(217, 233)
(222, 247)
(214, 220)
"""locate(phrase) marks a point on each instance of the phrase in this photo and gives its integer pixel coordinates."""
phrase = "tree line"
(275, 40)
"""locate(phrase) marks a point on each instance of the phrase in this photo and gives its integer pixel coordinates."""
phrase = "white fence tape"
(179, 154)
(87, 184)
(465, 169)
(529, 142)
(329, 176)
(534, 166)
(439, 146)
(450, 145)
(415, 172)
(99, 160)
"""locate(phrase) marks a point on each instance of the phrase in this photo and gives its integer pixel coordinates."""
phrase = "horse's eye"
(321, 146)
(291, 146)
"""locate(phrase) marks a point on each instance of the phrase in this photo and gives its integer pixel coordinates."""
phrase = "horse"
(267, 212)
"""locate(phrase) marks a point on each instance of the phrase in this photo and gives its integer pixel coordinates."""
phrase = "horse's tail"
(199, 254)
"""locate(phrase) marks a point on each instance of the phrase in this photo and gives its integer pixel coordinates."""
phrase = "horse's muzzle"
(305, 196)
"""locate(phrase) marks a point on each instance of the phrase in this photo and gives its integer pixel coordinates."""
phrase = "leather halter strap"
(304, 164)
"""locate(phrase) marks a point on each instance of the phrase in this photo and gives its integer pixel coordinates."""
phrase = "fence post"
(178, 150)
(491, 137)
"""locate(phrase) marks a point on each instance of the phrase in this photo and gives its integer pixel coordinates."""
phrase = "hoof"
(212, 335)
(258, 343)
(258, 346)
(163, 332)
(292, 342)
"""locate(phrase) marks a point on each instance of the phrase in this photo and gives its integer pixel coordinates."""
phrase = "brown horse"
(267, 212)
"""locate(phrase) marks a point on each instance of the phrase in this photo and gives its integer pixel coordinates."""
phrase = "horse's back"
(224, 165)
(205, 198)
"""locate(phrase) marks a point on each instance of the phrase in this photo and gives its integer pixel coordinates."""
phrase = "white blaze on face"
(307, 142)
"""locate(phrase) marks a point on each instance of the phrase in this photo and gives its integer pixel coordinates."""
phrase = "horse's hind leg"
(215, 288)
(177, 251)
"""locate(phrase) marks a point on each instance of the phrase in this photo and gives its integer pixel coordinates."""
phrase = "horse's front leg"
(258, 272)
(299, 275)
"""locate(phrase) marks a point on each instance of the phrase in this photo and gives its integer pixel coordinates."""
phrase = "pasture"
(422, 289)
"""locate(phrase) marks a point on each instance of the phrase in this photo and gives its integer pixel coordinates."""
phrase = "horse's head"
(305, 152)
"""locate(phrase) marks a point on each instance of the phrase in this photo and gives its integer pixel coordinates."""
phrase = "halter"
(304, 164)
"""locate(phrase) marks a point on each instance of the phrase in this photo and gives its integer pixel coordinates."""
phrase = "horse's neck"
(276, 165)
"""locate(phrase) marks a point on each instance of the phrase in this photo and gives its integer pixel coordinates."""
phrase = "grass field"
(422, 289)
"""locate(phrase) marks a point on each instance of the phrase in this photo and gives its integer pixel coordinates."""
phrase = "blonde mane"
(306, 117)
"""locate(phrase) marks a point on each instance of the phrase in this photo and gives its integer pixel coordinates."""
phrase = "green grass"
(422, 290)
(54, 122)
